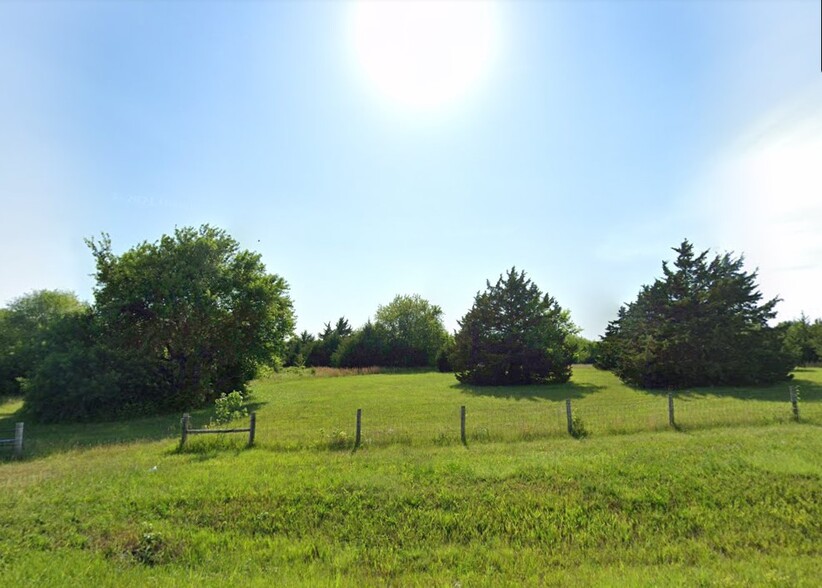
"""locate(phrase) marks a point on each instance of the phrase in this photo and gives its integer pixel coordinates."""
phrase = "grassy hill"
(730, 498)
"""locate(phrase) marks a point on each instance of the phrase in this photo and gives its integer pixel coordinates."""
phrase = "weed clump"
(150, 547)
(336, 440)
(578, 430)
(229, 407)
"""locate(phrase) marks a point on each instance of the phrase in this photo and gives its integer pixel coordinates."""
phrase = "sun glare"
(423, 55)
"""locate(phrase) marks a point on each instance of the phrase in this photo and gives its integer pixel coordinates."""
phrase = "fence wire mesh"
(522, 420)
(318, 422)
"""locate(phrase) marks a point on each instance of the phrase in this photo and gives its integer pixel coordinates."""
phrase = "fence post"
(359, 428)
(568, 414)
(462, 426)
(252, 427)
(671, 420)
(184, 426)
(795, 401)
(18, 440)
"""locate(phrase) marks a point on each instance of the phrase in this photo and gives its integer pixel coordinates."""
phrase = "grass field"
(731, 498)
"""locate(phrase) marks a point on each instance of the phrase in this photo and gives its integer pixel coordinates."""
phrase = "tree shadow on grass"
(810, 390)
(41, 439)
(531, 392)
(44, 439)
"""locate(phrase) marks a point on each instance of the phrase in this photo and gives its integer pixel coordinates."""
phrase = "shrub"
(229, 407)
(578, 430)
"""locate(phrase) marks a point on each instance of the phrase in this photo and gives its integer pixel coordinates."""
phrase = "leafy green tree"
(514, 334)
(24, 330)
(82, 377)
(585, 349)
(198, 304)
(414, 331)
(186, 318)
(702, 324)
(10, 369)
(802, 340)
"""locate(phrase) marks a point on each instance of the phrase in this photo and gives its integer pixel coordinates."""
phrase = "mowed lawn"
(731, 497)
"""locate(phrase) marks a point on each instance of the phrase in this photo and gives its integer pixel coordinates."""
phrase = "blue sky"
(595, 136)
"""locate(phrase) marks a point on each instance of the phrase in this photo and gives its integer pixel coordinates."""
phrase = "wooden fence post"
(359, 428)
(671, 420)
(184, 426)
(794, 402)
(568, 415)
(18, 440)
(462, 426)
(252, 427)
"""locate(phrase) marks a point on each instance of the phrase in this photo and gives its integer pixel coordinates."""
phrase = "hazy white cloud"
(765, 200)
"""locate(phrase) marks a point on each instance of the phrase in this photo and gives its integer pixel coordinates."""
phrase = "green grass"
(424, 409)
(733, 498)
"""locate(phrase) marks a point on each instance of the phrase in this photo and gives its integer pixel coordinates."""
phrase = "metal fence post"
(359, 428)
(184, 426)
(671, 420)
(252, 428)
(794, 401)
(18, 440)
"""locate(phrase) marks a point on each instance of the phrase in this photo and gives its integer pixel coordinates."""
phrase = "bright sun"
(423, 55)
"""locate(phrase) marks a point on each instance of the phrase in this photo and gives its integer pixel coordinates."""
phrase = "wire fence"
(383, 425)
(384, 421)
(13, 440)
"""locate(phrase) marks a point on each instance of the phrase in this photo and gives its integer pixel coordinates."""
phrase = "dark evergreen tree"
(343, 328)
(513, 334)
(702, 324)
(297, 349)
(320, 351)
(444, 359)
(366, 347)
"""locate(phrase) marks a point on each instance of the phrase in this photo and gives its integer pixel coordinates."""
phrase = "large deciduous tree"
(24, 329)
(197, 305)
(802, 340)
(703, 323)
(175, 323)
(514, 334)
(414, 333)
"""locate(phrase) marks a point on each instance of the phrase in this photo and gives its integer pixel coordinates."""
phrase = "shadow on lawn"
(809, 390)
(41, 440)
(531, 392)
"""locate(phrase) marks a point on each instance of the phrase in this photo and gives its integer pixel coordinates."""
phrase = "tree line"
(177, 322)
(408, 332)
(173, 324)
